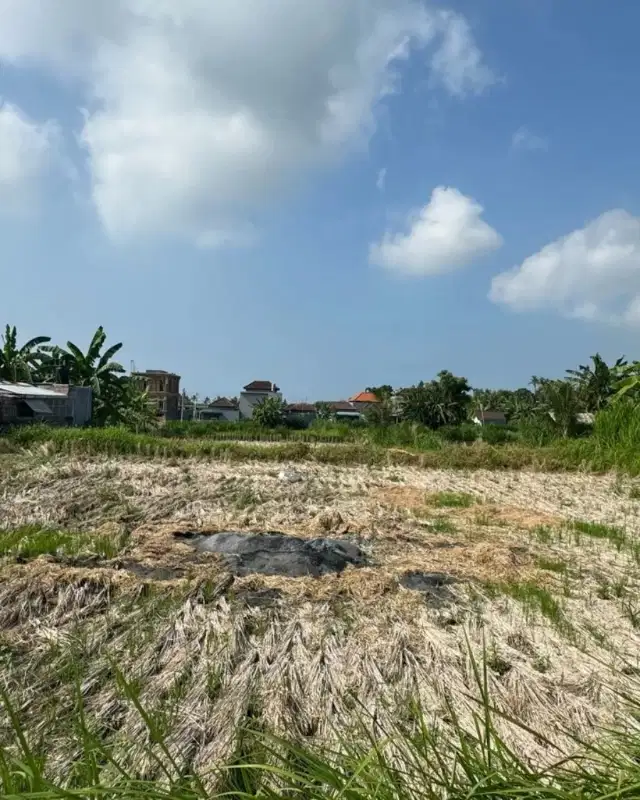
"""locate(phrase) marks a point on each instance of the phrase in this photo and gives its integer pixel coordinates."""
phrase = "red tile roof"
(365, 397)
(261, 386)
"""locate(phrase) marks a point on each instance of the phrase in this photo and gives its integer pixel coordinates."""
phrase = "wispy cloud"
(381, 179)
(524, 139)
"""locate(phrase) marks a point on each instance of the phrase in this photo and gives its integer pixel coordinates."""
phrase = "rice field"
(178, 665)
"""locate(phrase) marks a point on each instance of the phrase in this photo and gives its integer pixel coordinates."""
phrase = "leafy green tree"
(595, 383)
(561, 401)
(517, 404)
(436, 403)
(20, 363)
(269, 413)
(380, 413)
(132, 408)
(323, 411)
(97, 370)
(384, 392)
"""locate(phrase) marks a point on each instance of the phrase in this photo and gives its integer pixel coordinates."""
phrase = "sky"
(330, 195)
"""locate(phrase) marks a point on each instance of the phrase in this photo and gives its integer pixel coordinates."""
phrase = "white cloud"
(524, 139)
(381, 179)
(446, 234)
(592, 273)
(26, 148)
(458, 64)
(199, 111)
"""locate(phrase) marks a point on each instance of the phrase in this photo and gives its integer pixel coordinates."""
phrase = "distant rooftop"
(223, 402)
(364, 397)
(29, 390)
(491, 416)
(156, 372)
(301, 408)
(261, 386)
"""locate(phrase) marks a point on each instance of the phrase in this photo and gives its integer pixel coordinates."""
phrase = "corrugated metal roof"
(28, 390)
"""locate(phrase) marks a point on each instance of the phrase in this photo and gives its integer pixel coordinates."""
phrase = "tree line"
(450, 400)
(117, 400)
(447, 400)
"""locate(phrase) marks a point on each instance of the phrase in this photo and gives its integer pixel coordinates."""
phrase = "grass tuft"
(597, 530)
(30, 541)
(451, 500)
(552, 565)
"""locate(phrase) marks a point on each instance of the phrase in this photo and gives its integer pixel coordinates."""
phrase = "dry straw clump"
(551, 603)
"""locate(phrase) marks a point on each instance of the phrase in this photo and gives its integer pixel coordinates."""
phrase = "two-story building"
(253, 394)
(163, 390)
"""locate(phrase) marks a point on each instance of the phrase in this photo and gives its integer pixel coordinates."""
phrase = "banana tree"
(20, 363)
(627, 382)
(595, 383)
(97, 370)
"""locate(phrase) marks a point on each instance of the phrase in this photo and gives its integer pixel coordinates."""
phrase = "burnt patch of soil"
(434, 586)
(273, 553)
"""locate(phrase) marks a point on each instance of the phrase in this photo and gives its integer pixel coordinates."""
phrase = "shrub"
(467, 432)
(496, 434)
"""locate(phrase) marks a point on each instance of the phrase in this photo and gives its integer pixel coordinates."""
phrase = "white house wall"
(248, 401)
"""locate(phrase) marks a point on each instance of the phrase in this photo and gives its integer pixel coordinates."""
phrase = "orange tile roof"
(364, 397)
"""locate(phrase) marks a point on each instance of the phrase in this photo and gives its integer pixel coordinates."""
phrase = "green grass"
(597, 530)
(442, 525)
(543, 533)
(451, 500)
(552, 565)
(30, 541)
(534, 599)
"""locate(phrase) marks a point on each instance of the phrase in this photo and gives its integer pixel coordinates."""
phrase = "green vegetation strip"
(30, 541)
(120, 442)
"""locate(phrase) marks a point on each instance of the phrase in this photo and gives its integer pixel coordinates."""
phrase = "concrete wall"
(248, 400)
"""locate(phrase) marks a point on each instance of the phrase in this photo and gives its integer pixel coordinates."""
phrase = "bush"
(496, 434)
(467, 432)
(538, 431)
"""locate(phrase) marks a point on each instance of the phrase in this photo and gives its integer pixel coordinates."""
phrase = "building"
(221, 409)
(305, 411)
(345, 410)
(57, 404)
(364, 399)
(253, 394)
(163, 389)
(489, 418)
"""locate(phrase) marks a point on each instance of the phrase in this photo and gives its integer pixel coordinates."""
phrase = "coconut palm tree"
(20, 363)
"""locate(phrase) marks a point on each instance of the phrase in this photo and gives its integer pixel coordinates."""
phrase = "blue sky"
(328, 195)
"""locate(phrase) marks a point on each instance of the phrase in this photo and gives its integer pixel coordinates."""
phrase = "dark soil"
(273, 553)
(433, 585)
